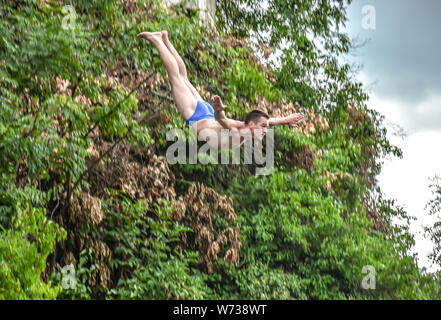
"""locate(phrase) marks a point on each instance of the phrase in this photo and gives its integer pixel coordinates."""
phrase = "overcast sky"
(403, 57)
(402, 68)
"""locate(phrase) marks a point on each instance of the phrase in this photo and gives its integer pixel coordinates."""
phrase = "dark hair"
(255, 115)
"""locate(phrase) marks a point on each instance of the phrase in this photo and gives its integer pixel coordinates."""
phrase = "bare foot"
(151, 36)
(164, 35)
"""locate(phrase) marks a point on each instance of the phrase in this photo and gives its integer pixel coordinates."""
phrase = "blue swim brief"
(204, 110)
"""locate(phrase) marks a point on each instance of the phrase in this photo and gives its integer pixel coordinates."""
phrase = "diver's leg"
(181, 64)
(183, 96)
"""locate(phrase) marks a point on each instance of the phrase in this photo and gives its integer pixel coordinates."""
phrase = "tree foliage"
(84, 112)
(434, 231)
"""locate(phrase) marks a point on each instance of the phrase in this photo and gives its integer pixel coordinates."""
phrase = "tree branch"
(117, 105)
(162, 95)
(85, 172)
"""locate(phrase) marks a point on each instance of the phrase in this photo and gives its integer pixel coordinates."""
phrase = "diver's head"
(257, 122)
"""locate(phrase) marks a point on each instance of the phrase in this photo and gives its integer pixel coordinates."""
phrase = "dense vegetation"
(434, 231)
(90, 208)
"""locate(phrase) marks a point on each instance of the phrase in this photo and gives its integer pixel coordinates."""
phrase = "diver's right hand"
(217, 104)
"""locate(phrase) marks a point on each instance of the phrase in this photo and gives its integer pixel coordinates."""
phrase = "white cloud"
(422, 116)
(407, 181)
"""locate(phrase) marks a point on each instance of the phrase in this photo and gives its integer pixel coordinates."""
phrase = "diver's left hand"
(293, 119)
